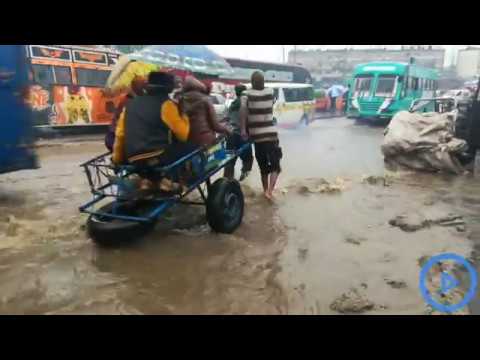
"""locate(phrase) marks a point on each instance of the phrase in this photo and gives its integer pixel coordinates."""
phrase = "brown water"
(297, 256)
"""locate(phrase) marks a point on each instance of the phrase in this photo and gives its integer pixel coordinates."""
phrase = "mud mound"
(352, 302)
(317, 185)
(377, 180)
(396, 284)
(355, 240)
(411, 223)
(248, 191)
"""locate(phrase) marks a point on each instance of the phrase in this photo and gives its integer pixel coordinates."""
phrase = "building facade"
(468, 63)
(329, 66)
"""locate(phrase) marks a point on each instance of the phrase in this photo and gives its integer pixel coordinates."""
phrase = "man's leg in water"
(274, 157)
(265, 184)
(272, 183)
(262, 160)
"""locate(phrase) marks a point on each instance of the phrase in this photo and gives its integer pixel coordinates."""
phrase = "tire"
(114, 232)
(225, 206)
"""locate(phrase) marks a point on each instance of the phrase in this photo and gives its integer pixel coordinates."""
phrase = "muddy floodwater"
(326, 246)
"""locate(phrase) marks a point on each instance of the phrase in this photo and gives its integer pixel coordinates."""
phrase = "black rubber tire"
(114, 232)
(225, 205)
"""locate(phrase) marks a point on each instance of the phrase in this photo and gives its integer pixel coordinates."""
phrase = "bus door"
(15, 124)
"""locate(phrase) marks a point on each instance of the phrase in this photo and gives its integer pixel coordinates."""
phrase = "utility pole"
(283, 53)
(295, 54)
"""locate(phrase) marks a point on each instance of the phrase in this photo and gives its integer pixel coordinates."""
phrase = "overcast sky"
(275, 52)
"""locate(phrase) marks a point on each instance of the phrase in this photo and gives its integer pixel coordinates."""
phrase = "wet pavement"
(313, 251)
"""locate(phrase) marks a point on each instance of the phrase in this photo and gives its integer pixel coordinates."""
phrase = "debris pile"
(377, 180)
(411, 223)
(352, 302)
(423, 142)
(312, 186)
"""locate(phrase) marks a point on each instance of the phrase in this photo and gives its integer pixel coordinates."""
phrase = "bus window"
(290, 94)
(43, 74)
(305, 94)
(63, 75)
(362, 85)
(91, 77)
(414, 83)
(50, 75)
(309, 94)
(385, 86)
(298, 94)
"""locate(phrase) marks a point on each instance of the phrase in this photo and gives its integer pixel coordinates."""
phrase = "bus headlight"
(355, 104)
(385, 105)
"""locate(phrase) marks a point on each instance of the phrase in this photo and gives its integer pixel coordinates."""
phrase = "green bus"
(378, 90)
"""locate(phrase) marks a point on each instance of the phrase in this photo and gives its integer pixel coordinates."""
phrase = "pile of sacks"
(423, 142)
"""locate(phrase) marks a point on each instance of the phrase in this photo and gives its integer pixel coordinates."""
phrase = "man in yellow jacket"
(151, 131)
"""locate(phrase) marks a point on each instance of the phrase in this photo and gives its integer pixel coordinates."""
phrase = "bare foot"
(269, 196)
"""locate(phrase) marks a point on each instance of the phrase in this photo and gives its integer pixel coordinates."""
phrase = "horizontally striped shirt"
(259, 104)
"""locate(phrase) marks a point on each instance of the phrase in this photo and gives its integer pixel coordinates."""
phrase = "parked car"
(460, 95)
(219, 103)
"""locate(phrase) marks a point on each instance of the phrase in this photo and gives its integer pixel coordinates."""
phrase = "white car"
(219, 103)
(460, 95)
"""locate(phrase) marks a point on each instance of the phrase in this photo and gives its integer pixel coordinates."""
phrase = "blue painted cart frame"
(106, 180)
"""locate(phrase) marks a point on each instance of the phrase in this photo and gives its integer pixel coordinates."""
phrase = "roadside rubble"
(423, 142)
(411, 223)
(317, 185)
(352, 302)
(355, 240)
(377, 180)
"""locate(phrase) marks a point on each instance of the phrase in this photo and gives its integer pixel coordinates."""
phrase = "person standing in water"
(256, 119)
(235, 141)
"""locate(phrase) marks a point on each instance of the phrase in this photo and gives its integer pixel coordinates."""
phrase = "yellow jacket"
(170, 115)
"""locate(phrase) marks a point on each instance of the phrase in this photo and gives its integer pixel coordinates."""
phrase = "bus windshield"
(385, 86)
(362, 85)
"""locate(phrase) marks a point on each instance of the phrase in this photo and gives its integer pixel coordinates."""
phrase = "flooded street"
(326, 240)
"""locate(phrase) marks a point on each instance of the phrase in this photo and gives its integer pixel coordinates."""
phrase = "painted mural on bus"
(67, 85)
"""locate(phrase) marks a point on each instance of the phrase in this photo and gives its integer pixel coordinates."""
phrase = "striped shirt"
(260, 124)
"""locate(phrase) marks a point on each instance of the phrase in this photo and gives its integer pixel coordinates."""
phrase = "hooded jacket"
(195, 103)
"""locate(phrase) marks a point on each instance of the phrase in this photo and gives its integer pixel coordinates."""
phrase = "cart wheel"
(225, 205)
(110, 232)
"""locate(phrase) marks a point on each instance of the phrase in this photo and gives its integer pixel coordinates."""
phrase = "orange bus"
(66, 85)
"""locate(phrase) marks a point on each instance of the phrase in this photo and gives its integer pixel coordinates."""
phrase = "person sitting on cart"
(152, 133)
(195, 103)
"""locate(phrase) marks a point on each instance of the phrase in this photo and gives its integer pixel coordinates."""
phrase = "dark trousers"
(147, 167)
(333, 104)
(234, 142)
